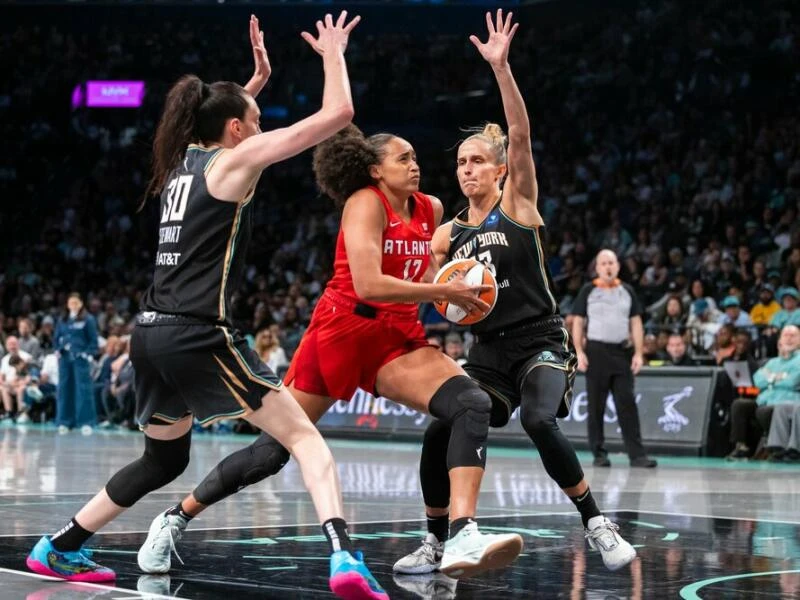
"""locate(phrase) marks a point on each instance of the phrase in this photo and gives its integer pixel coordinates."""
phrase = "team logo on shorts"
(548, 357)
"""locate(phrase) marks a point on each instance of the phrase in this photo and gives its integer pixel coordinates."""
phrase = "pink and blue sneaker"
(44, 559)
(351, 579)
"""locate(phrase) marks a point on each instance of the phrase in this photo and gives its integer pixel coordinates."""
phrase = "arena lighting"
(108, 94)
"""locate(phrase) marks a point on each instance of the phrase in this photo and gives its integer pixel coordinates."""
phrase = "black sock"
(458, 524)
(335, 531)
(178, 510)
(586, 506)
(71, 537)
(439, 527)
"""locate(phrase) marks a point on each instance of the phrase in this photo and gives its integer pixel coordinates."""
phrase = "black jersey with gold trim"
(515, 254)
(202, 243)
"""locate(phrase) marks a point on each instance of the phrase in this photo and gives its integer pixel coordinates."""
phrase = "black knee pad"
(465, 407)
(161, 463)
(247, 466)
(433, 475)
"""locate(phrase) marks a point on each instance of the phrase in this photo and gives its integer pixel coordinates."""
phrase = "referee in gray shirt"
(610, 313)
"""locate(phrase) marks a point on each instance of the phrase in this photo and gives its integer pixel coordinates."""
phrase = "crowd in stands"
(666, 131)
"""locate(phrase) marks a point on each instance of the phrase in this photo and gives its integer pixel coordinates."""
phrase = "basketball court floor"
(703, 528)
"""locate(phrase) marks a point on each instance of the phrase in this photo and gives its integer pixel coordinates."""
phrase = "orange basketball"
(476, 273)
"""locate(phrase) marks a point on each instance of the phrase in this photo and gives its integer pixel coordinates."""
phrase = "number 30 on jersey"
(177, 197)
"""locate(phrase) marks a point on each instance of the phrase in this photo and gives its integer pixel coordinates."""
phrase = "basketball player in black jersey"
(522, 355)
(208, 155)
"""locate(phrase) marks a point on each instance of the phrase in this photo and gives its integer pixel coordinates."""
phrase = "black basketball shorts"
(500, 364)
(203, 369)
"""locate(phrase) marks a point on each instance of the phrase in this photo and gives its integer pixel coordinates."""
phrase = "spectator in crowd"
(76, 342)
(28, 342)
(9, 378)
(766, 307)
(703, 326)
(677, 355)
(269, 350)
(723, 347)
(734, 315)
(45, 334)
(673, 317)
(742, 350)
(788, 315)
(778, 382)
(107, 408)
(454, 347)
(122, 388)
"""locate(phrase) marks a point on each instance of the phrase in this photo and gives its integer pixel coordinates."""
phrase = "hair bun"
(494, 132)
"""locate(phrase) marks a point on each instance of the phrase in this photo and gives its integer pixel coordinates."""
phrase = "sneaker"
(643, 462)
(72, 566)
(601, 460)
(87, 430)
(471, 552)
(23, 419)
(350, 578)
(429, 585)
(615, 551)
(155, 555)
(425, 559)
(63, 429)
(741, 452)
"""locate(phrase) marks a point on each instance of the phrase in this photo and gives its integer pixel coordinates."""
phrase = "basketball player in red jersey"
(365, 333)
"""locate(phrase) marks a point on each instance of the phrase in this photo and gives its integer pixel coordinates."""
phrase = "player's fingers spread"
(351, 25)
(342, 18)
(328, 21)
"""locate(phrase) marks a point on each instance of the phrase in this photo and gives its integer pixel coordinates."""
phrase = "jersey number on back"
(177, 197)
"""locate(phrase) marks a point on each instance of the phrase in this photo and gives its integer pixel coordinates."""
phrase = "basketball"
(476, 273)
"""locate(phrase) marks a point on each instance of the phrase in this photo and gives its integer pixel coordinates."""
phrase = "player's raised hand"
(262, 68)
(501, 32)
(331, 37)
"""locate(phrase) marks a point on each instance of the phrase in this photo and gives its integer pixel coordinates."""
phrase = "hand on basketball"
(464, 295)
(332, 37)
(501, 32)
(262, 67)
(583, 362)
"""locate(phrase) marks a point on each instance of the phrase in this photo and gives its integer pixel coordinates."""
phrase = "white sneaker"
(425, 559)
(23, 419)
(87, 430)
(471, 552)
(63, 430)
(615, 551)
(436, 586)
(155, 554)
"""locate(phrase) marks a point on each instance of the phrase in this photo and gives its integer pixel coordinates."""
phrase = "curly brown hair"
(341, 163)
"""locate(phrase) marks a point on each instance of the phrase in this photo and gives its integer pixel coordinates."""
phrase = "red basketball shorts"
(342, 351)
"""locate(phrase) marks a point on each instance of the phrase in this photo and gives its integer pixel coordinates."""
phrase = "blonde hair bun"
(495, 133)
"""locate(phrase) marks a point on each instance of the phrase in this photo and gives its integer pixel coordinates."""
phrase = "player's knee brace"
(464, 406)
(542, 394)
(433, 474)
(259, 460)
(161, 463)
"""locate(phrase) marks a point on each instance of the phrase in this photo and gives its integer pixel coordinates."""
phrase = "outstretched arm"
(236, 170)
(521, 190)
(262, 69)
